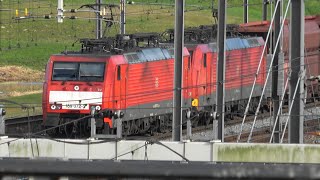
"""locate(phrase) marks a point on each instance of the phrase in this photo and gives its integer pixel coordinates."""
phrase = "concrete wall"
(167, 151)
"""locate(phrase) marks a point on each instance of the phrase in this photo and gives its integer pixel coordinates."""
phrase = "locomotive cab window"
(65, 71)
(204, 60)
(91, 71)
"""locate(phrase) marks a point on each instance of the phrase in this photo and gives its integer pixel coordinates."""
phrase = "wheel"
(106, 128)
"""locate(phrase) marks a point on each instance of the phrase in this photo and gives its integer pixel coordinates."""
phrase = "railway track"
(262, 134)
(24, 125)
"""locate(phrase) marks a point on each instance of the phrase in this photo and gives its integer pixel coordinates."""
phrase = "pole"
(245, 11)
(297, 69)
(178, 63)
(221, 67)
(189, 125)
(119, 125)
(2, 123)
(264, 10)
(93, 122)
(99, 22)
(274, 95)
(60, 11)
(123, 17)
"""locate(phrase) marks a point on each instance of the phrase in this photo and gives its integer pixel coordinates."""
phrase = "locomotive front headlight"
(53, 107)
(98, 108)
(76, 88)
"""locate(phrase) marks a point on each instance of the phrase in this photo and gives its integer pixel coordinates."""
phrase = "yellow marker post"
(26, 12)
(195, 103)
(17, 13)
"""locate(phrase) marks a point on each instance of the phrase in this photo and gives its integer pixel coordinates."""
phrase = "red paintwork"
(148, 82)
(312, 32)
(69, 85)
(153, 80)
(255, 55)
(240, 70)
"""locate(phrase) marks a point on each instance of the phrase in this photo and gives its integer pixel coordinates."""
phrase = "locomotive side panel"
(254, 48)
(149, 88)
(233, 75)
(203, 75)
(114, 86)
(149, 83)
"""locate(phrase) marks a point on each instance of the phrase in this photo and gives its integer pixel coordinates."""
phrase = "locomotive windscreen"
(71, 71)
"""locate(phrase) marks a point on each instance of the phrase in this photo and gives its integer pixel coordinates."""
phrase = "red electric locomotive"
(118, 74)
(139, 82)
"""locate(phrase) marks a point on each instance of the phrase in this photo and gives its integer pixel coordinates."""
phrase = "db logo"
(156, 83)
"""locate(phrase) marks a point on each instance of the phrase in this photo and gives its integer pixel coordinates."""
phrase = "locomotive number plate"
(76, 106)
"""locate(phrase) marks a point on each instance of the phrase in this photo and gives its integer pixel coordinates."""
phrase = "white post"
(2, 123)
(93, 122)
(119, 124)
(60, 11)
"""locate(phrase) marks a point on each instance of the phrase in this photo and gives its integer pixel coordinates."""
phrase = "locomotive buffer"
(117, 117)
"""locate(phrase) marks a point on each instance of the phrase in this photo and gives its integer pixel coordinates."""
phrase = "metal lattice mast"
(256, 76)
(265, 84)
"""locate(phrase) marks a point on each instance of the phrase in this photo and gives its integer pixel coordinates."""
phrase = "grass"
(30, 42)
(14, 109)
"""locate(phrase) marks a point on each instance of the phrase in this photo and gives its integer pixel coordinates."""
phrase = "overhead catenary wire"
(277, 43)
(258, 70)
